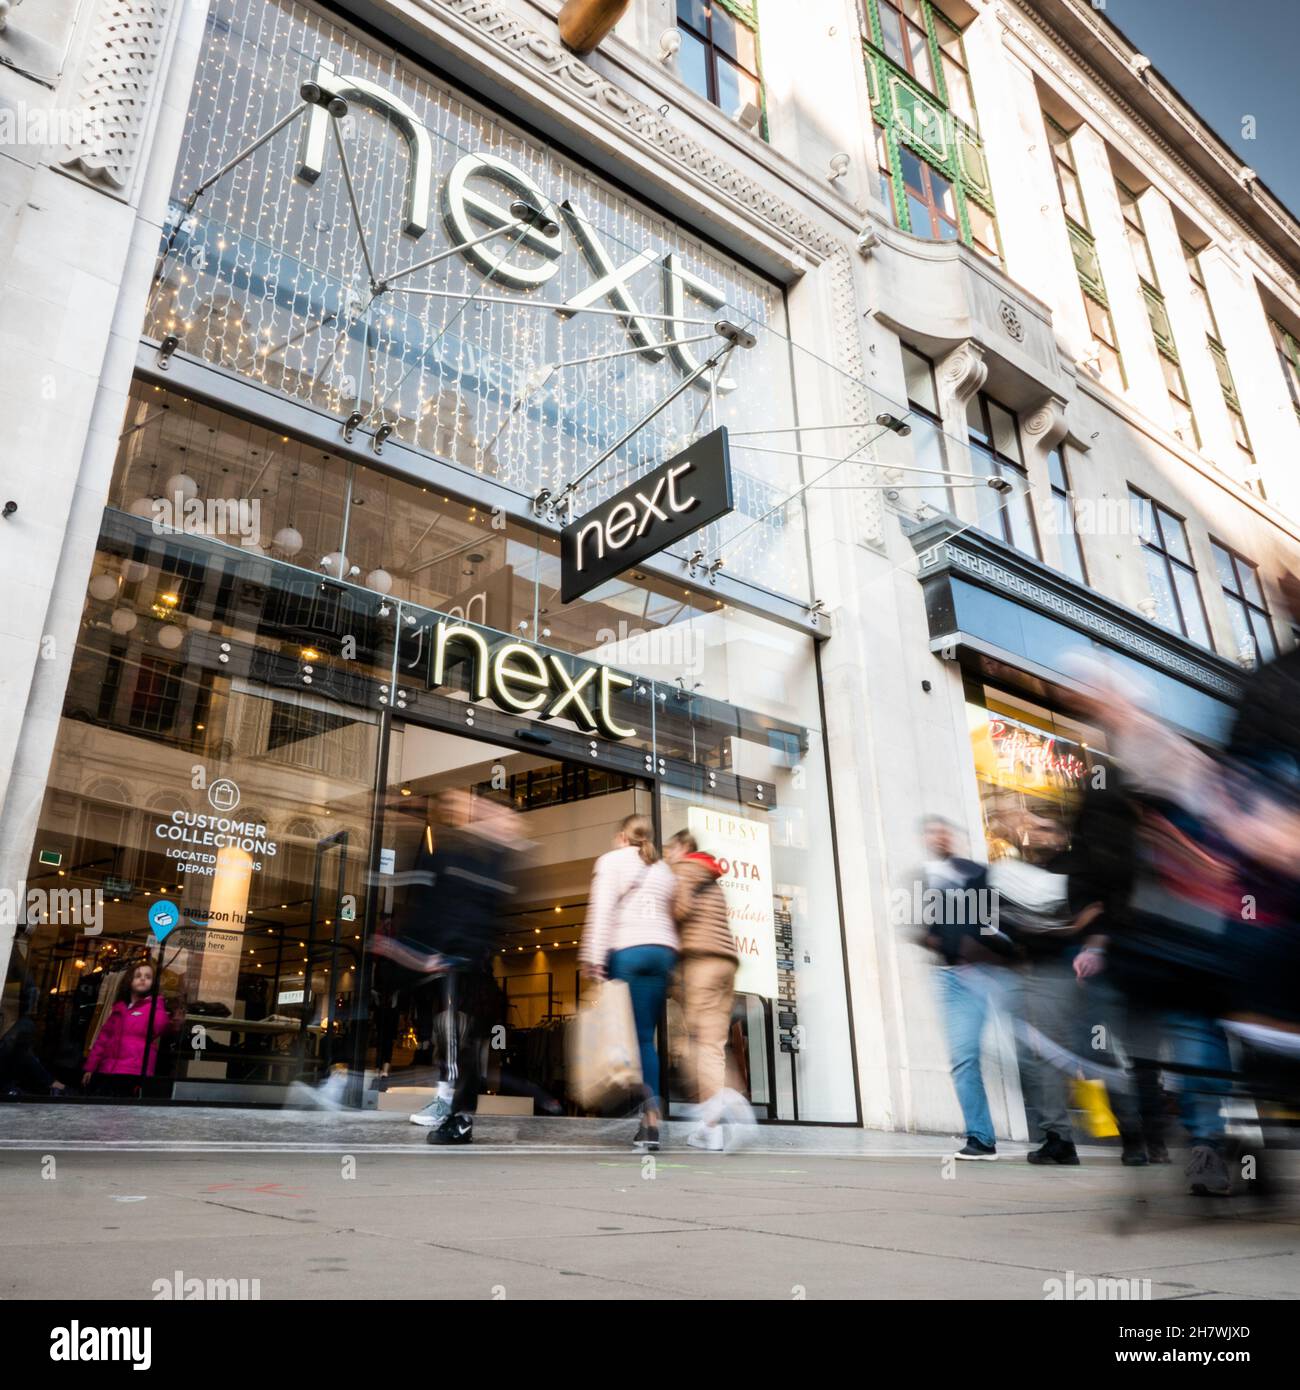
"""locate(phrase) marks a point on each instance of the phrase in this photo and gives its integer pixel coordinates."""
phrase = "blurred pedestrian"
(709, 965)
(475, 870)
(630, 935)
(952, 913)
(1033, 909)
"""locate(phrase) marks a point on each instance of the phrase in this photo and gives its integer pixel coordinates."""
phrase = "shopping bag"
(1091, 1098)
(603, 1056)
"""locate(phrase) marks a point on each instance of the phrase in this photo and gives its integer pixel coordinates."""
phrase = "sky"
(1229, 61)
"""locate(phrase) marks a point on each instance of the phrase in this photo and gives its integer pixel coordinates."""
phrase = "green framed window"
(1219, 356)
(1175, 385)
(718, 57)
(933, 175)
(1104, 358)
(1288, 353)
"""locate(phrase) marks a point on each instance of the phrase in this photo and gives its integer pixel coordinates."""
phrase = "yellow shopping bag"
(1091, 1098)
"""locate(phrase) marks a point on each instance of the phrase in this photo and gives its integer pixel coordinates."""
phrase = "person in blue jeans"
(958, 925)
(965, 999)
(647, 970)
(631, 935)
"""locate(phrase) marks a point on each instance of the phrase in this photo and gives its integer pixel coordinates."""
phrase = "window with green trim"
(1288, 353)
(1175, 385)
(933, 178)
(1219, 356)
(1104, 359)
(719, 54)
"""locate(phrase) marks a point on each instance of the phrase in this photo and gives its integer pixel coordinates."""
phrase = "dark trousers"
(462, 1024)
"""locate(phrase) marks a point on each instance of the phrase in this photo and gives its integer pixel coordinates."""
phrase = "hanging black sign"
(690, 490)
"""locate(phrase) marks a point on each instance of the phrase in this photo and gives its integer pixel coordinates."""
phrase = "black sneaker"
(647, 1138)
(459, 1129)
(1208, 1173)
(1157, 1151)
(1134, 1154)
(1055, 1150)
(976, 1149)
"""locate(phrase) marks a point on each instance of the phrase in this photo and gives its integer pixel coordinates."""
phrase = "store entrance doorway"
(568, 814)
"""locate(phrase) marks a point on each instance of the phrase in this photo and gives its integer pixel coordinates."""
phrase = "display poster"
(744, 848)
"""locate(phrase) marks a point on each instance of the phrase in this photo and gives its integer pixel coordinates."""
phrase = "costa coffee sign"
(692, 489)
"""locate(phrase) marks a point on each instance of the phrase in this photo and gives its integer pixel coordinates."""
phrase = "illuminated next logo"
(468, 213)
(520, 679)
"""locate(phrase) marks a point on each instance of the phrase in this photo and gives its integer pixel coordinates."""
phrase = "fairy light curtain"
(266, 277)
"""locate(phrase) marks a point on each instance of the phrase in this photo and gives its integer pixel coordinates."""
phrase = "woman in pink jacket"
(119, 1050)
(631, 935)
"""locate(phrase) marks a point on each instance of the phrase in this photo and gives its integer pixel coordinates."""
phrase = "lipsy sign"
(690, 490)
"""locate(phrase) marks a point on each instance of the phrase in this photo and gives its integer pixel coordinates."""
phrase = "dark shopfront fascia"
(1014, 626)
(196, 653)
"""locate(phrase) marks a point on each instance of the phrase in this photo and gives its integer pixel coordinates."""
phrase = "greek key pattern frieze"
(1087, 619)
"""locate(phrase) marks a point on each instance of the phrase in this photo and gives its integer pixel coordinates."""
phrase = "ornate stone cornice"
(942, 555)
(550, 57)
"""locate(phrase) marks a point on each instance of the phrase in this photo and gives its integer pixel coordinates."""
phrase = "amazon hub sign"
(690, 490)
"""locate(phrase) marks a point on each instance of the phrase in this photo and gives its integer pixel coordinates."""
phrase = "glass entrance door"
(567, 815)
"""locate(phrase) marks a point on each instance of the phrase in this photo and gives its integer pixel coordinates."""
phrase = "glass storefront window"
(233, 860)
(1032, 766)
(231, 699)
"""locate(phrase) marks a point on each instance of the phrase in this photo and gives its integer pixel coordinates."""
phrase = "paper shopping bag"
(603, 1056)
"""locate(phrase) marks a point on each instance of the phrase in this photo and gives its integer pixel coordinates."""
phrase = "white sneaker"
(327, 1096)
(437, 1112)
(708, 1137)
(738, 1122)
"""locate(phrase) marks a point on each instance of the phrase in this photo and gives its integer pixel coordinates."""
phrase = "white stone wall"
(81, 228)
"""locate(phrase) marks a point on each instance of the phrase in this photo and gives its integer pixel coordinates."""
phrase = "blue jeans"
(1197, 1042)
(966, 994)
(646, 970)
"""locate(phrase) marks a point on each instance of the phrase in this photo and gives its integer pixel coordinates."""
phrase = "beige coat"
(701, 910)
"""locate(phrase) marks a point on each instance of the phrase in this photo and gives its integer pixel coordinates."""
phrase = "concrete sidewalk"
(131, 1126)
(101, 1202)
